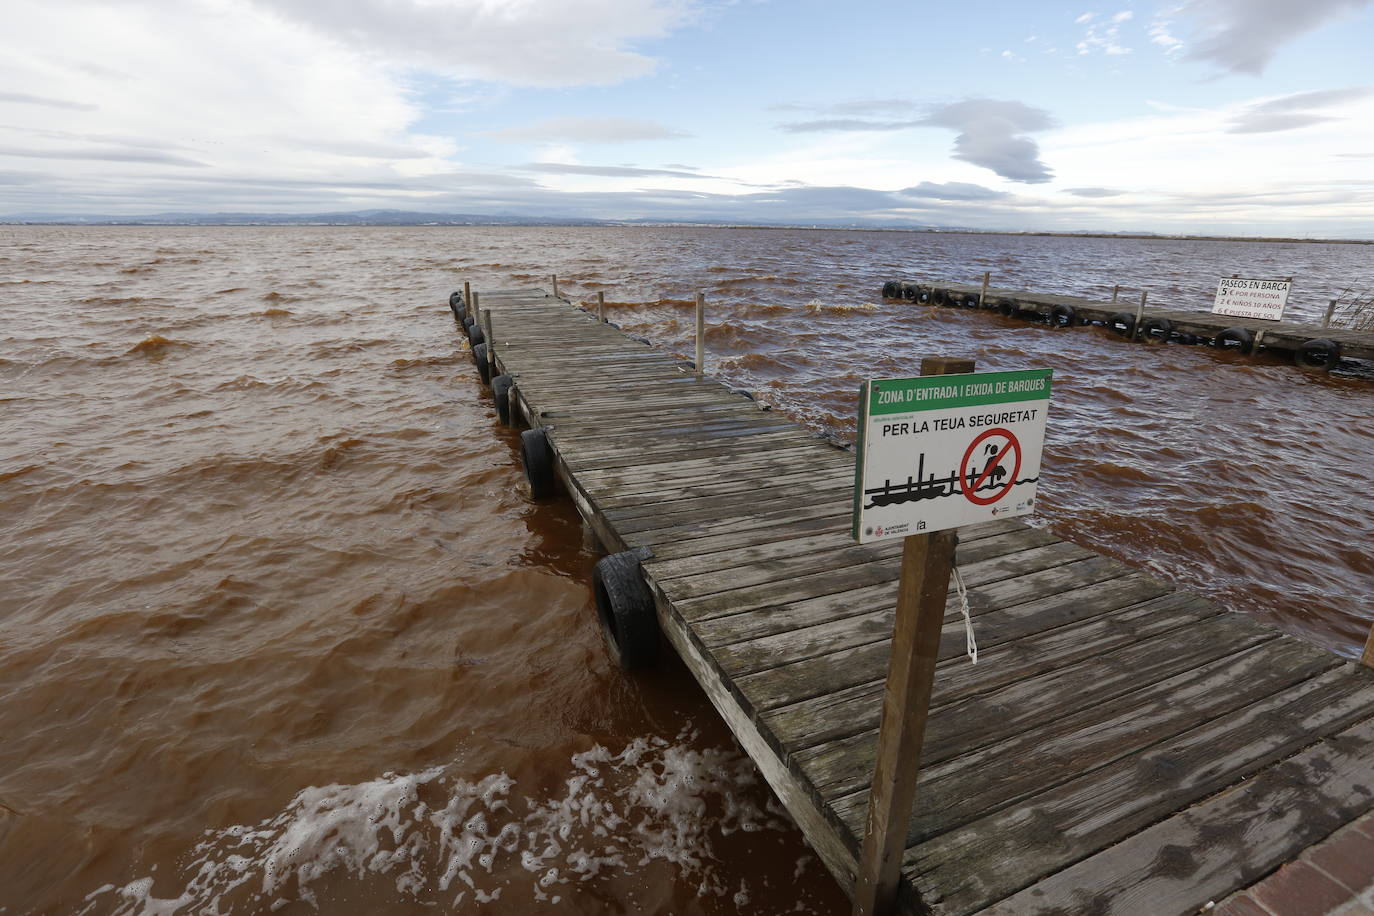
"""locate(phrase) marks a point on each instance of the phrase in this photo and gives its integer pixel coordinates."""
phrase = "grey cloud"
(103, 155)
(1291, 112)
(953, 190)
(799, 127)
(608, 171)
(990, 136)
(1094, 192)
(1243, 36)
(869, 107)
(25, 98)
(355, 149)
(1268, 124)
(588, 130)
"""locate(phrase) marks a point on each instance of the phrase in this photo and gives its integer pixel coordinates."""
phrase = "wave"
(154, 344)
(443, 839)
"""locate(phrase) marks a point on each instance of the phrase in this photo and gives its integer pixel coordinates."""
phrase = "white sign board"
(1240, 297)
(941, 451)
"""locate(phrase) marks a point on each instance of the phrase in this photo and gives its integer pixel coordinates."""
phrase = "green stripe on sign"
(942, 392)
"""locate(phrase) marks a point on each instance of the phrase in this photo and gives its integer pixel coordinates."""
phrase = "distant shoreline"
(343, 221)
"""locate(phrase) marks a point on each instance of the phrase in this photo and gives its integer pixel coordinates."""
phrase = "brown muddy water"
(280, 632)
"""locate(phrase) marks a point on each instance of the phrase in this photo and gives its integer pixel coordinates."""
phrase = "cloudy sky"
(1207, 116)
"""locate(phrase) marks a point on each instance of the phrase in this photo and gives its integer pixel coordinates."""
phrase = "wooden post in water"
(983, 296)
(1139, 313)
(467, 295)
(1115, 291)
(926, 562)
(601, 306)
(554, 278)
(701, 334)
(1330, 310)
(491, 344)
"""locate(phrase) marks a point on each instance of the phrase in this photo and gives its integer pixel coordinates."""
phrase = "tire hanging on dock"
(1007, 307)
(1239, 339)
(500, 393)
(468, 322)
(476, 335)
(479, 357)
(1156, 330)
(1122, 323)
(910, 292)
(923, 295)
(536, 455)
(939, 296)
(1319, 353)
(1062, 316)
(892, 289)
(625, 607)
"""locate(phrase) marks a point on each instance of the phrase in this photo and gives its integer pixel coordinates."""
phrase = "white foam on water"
(441, 838)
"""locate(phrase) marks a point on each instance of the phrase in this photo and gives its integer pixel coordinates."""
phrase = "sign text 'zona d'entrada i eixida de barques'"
(941, 451)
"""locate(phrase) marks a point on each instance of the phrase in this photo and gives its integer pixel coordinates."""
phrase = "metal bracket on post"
(701, 335)
(921, 595)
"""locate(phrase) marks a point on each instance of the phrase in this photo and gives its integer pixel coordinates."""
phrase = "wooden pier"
(1305, 344)
(1120, 747)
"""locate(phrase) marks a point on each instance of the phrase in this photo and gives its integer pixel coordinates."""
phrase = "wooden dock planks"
(1115, 736)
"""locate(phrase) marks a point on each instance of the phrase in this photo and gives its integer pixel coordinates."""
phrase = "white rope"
(963, 607)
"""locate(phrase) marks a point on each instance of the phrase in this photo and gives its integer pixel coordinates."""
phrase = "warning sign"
(941, 451)
(1240, 297)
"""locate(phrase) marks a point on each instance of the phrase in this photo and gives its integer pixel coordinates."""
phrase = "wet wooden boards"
(1119, 748)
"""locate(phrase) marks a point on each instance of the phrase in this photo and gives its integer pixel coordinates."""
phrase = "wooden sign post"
(926, 562)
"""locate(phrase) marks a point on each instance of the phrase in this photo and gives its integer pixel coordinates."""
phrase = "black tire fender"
(1122, 323)
(536, 455)
(910, 292)
(1241, 340)
(468, 322)
(939, 296)
(479, 357)
(923, 295)
(1318, 353)
(500, 393)
(625, 607)
(892, 289)
(1063, 316)
(1156, 330)
(1007, 307)
(476, 335)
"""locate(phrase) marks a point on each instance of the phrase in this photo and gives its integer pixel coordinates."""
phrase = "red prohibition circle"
(971, 492)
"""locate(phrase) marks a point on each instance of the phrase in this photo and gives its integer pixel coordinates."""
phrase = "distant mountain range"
(417, 218)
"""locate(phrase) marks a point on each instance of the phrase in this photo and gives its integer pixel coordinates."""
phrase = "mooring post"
(921, 594)
(1116, 290)
(701, 334)
(601, 306)
(1139, 313)
(473, 310)
(1330, 310)
(554, 278)
(467, 295)
(983, 296)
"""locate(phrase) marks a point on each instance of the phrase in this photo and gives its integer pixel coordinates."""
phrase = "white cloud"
(589, 130)
(1103, 36)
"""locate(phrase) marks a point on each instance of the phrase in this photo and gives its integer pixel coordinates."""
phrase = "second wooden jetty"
(1309, 346)
(1120, 747)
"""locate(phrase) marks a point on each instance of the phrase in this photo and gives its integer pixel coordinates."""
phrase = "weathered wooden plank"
(829, 717)
(656, 465)
(855, 625)
(743, 475)
(834, 582)
(995, 856)
(1221, 845)
(713, 508)
(762, 487)
(823, 674)
(1063, 722)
